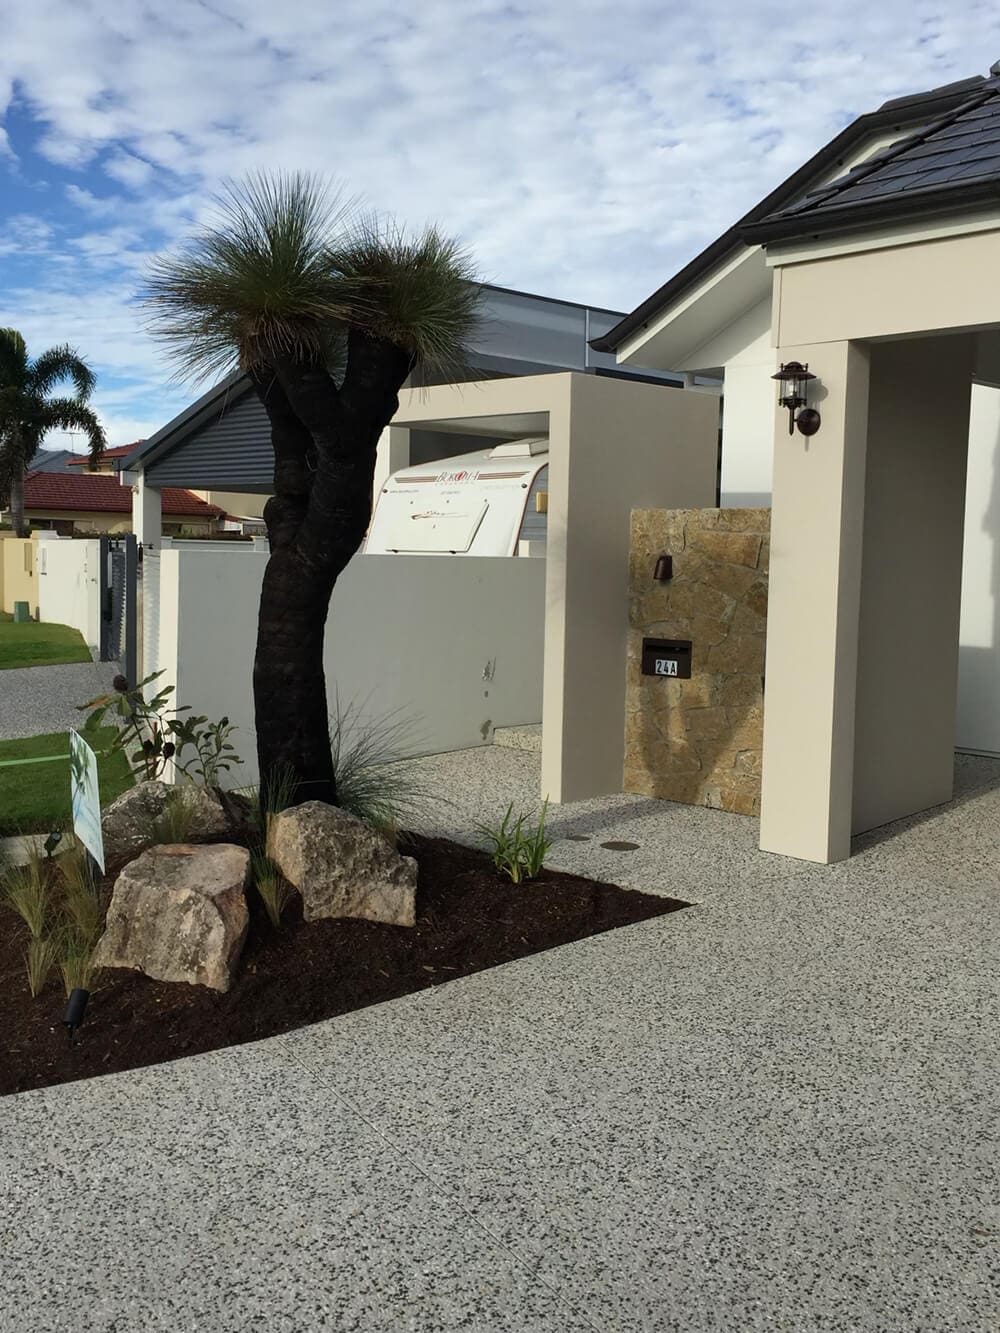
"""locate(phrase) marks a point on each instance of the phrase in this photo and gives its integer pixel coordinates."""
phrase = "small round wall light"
(793, 379)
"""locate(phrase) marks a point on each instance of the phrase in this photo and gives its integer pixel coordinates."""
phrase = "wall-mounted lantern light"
(663, 571)
(794, 377)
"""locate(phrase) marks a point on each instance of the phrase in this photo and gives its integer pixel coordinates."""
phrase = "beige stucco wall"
(83, 520)
(699, 740)
(614, 446)
(19, 573)
(915, 288)
(911, 579)
(242, 504)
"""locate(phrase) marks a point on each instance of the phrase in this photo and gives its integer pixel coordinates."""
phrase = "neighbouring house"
(54, 460)
(96, 502)
(873, 266)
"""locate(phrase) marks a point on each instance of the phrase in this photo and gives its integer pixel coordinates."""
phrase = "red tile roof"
(102, 493)
(120, 451)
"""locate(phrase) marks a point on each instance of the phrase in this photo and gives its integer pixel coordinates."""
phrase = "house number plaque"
(669, 659)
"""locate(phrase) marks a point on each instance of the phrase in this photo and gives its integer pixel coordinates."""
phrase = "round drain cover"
(621, 846)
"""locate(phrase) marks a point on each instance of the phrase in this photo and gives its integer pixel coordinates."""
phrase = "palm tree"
(327, 311)
(28, 412)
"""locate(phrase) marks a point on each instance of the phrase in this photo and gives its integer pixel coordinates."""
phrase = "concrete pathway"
(35, 701)
(777, 1110)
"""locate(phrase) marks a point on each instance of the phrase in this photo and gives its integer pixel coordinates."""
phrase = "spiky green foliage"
(373, 782)
(80, 896)
(419, 292)
(287, 266)
(274, 891)
(75, 956)
(25, 891)
(39, 960)
(28, 411)
(518, 845)
(255, 283)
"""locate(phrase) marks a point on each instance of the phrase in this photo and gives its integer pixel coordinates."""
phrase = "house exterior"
(97, 503)
(221, 445)
(873, 265)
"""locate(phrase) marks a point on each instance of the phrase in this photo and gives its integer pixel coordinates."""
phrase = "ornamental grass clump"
(518, 848)
(373, 782)
(274, 890)
(25, 891)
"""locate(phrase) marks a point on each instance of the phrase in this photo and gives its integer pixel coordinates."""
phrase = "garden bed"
(469, 917)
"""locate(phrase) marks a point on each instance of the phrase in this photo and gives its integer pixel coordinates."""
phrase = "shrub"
(518, 848)
(159, 735)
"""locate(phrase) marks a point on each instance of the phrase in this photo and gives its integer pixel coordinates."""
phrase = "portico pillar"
(147, 513)
(814, 607)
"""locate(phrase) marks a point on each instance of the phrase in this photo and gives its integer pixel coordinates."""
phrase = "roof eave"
(854, 217)
(902, 111)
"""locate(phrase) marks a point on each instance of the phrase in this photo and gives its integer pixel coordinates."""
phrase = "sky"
(584, 149)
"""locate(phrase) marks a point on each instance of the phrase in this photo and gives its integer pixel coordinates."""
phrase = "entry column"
(814, 604)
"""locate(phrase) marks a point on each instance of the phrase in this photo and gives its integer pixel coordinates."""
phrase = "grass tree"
(327, 311)
(30, 408)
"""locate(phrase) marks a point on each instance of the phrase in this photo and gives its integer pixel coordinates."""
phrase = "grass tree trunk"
(325, 440)
(17, 519)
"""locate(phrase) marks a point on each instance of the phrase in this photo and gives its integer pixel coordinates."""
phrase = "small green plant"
(519, 848)
(175, 822)
(273, 889)
(39, 961)
(80, 899)
(26, 892)
(74, 952)
(151, 733)
(214, 753)
(373, 783)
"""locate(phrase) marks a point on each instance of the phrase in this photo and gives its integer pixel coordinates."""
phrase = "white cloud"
(581, 150)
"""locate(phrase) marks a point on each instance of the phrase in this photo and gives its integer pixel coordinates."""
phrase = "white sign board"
(86, 797)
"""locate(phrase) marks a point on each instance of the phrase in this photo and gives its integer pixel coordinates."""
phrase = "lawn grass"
(27, 643)
(34, 798)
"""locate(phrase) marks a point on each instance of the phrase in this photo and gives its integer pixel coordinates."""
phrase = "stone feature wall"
(699, 741)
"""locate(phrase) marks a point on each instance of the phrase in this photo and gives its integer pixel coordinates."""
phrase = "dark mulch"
(470, 917)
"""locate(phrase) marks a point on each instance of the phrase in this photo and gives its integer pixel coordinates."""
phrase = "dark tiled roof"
(953, 162)
(53, 460)
(102, 493)
(898, 116)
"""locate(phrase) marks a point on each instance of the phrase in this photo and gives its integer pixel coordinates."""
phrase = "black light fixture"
(663, 571)
(793, 378)
(75, 1010)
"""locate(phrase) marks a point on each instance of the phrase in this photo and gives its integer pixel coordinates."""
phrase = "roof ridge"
(882, 159)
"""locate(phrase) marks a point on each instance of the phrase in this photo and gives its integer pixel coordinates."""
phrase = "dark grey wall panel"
(230, 452)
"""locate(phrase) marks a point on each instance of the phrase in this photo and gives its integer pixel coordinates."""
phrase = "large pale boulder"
(179, 913)
(341, 866)
(129, 822)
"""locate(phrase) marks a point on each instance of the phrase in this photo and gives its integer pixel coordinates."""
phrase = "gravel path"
(37, 700)
(775, 1112)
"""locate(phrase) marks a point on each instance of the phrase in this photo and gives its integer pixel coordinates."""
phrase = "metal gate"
(119, 628)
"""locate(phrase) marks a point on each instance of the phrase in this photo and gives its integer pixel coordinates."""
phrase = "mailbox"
(669, 659)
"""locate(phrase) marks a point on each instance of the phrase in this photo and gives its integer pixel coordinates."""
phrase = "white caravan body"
(493, 502)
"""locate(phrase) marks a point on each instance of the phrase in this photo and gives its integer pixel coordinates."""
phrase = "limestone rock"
(128, 821)
(179, 913)
(341, 866)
